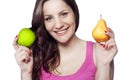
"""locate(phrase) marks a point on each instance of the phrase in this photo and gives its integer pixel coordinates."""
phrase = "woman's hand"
(104, 57)
(106, 52)
(23, 57)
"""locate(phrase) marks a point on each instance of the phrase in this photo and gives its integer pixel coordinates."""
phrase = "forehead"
(55, 5)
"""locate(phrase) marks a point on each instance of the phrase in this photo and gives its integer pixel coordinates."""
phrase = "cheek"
(71, 20)
(73, 26)
(72, 23)
(48, 27)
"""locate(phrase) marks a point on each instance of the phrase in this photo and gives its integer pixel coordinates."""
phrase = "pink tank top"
(86, 72)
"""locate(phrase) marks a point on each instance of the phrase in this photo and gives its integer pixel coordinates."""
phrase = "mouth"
(62, 32)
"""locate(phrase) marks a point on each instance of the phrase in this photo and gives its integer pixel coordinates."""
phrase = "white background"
(16, 14)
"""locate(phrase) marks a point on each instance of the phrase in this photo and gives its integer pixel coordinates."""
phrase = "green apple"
(26, 37)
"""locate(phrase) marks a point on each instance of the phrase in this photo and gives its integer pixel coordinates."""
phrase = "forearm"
(105, 72)
(112, 70)
(26, 76)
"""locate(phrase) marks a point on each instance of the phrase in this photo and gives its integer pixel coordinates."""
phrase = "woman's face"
(59, 20)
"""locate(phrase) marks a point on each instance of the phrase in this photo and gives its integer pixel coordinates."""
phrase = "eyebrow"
(64, 10)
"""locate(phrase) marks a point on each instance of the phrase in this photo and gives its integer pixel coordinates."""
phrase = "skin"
(23, 56)
(59, 20)
(60, 23)
(104, 57)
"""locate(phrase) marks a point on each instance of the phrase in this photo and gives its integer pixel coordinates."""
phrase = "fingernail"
(106, 46)
(103, 46)
(105, 31)
(16, 36)
(108, 28)
(30, 52)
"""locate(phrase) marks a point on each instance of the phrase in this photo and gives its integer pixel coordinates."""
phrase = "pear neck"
(100, 16)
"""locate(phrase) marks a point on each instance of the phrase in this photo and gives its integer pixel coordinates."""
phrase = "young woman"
(57, 53)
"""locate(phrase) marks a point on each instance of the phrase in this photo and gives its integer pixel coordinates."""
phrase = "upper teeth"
(61, 31)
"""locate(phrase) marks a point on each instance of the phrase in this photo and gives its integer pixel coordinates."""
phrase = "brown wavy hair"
(45, 48)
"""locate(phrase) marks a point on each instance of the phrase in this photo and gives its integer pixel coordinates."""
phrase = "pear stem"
(100, 16)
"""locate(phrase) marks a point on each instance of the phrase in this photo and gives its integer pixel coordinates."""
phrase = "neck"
(63, 47)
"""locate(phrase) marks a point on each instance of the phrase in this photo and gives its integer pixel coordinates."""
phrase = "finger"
(110, 33)
(22, 54)
(101, 43)
(110, 30)
(23, 57)
(112, 45)
(26, 59)
(29, 51)
(109, 43)
(112, 53)
(15, 45)
(23, 48)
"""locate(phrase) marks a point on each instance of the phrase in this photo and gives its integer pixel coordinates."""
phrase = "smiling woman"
(57, 52)
(59, 20)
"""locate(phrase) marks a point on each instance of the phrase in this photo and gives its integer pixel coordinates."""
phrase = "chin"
(63, 40)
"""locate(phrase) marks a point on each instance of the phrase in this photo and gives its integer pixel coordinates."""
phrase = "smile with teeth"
(62, 32)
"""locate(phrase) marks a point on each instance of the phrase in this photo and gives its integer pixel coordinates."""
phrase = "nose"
(58, 23)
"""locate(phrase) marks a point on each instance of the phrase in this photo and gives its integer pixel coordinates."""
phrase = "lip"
(62, 32)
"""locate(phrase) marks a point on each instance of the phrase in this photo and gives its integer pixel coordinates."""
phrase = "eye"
(49, 18)
(64, 14)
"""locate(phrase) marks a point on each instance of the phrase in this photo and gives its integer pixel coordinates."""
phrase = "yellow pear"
(98, 32)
